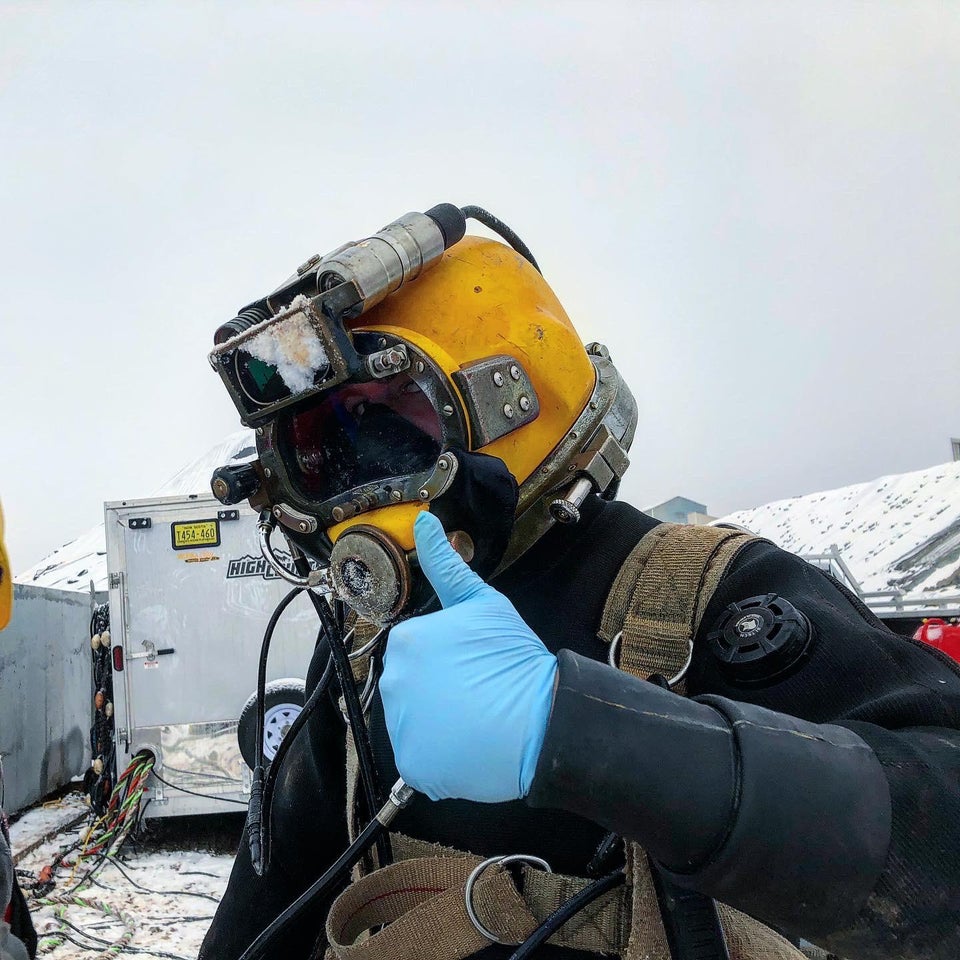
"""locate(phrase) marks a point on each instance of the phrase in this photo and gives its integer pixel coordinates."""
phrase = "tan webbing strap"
(601, 926)
(353, 782)
(363, 632)
(661, 592)
(647, 940)
(748, 939)
(422, 900)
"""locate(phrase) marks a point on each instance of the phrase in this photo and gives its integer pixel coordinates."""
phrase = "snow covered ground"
(899, 532)
(159, 899)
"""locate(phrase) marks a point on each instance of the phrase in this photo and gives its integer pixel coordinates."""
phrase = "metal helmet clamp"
(363, 385)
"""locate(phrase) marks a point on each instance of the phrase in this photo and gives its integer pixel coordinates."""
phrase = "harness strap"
(423, 901)
(661, 592)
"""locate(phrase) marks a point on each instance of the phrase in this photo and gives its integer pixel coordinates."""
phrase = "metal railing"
(883, 602)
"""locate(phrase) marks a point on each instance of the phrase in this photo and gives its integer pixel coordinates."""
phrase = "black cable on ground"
(500, 228)
(166, 893)
(194, 793)
(562, 914)
(109, 948)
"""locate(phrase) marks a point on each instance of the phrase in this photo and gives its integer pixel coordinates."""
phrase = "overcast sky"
(755, 205)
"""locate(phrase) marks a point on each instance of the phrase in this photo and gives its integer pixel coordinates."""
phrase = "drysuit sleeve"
(825, 803)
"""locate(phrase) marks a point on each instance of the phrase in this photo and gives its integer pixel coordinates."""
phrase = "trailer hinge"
(114, 580)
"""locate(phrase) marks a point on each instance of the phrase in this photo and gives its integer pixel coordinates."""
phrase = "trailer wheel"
(283, 701)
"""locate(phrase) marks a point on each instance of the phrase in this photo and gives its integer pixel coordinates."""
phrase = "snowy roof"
(900, 532)
(76, 563)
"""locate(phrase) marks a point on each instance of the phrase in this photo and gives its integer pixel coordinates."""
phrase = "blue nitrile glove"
(467, 690)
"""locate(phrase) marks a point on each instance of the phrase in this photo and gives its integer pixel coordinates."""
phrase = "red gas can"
(940, 634)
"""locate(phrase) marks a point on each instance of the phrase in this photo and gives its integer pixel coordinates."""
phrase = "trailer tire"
(283, 701)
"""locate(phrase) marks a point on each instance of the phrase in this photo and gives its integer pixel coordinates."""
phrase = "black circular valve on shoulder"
(760, 639)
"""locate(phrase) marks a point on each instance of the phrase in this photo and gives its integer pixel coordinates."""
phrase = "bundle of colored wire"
(104, 949)
(112, 828)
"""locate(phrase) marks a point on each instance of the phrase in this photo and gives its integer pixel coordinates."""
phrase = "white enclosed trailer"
(190, 597)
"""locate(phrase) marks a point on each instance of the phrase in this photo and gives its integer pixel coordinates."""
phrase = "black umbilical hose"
(400, 796)
(273, 772)
(358, 726)
(501, 229)
(562, 914)
(253, 828)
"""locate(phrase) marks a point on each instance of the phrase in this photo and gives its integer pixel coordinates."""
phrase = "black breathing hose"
(338, 871)
(358, 727)
(273, 771)
(253, 827)
(501, 229)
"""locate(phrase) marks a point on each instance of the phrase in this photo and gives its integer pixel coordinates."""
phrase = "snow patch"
(33, 826)
(290, 344)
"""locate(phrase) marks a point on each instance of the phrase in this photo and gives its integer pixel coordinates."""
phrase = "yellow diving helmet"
(417, 369)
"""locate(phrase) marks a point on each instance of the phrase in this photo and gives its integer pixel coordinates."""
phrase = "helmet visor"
(361, 433)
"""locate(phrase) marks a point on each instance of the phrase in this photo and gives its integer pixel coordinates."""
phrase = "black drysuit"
(825, 804)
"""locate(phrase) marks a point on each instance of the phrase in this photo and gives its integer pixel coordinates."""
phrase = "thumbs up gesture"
(467, 690)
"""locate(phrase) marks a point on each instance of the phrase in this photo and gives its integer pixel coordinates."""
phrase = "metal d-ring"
(501, 861)
(673, 681)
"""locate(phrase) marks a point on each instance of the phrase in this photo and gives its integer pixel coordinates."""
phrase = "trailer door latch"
(150, 652)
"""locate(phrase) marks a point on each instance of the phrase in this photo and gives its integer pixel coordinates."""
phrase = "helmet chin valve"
(370, 573)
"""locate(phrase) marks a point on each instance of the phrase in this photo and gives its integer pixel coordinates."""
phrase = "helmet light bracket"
(499, 396)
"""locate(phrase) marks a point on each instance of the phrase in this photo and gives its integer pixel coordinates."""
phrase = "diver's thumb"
(452, 579)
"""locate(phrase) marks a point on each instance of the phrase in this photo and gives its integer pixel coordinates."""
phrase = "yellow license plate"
(196, 533)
